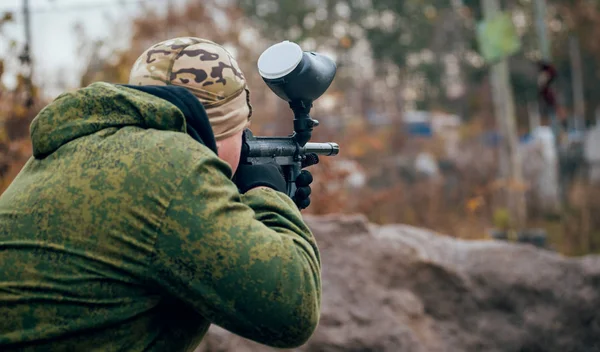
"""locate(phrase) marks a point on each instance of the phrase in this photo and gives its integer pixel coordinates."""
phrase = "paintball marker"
(299, 78)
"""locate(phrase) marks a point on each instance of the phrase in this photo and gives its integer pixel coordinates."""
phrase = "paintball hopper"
(299, 78)
(294, 75)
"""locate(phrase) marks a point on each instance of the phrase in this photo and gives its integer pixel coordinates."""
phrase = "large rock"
(398, 288)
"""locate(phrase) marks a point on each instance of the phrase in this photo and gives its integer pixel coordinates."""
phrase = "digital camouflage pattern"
(124, 234)
(207, 70)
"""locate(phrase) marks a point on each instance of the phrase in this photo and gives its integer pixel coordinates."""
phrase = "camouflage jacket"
(122, 233)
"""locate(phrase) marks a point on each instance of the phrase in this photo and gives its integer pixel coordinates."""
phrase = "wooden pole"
(26, 55)
(577, 82)
(533, 110)
(504, 107)
(168, 19)
(542, 34)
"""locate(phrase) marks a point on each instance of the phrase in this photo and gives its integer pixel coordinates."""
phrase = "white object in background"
(543, 135)
(356, 176)
(547, 178)
(447, 127)
(591, 152)
(426, 163)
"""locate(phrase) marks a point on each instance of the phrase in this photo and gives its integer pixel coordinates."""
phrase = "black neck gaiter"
(198, 126)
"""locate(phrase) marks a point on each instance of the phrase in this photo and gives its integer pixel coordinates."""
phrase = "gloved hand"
(303, 190)
(271, 175)
(251, 176)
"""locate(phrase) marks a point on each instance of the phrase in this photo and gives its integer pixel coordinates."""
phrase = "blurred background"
(473, 118)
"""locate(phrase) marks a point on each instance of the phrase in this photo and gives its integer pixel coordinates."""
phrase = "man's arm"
(248, 263)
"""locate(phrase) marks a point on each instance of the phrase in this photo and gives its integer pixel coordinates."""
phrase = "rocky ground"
(402, 289)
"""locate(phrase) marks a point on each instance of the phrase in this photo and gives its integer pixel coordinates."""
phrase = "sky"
(54, 41)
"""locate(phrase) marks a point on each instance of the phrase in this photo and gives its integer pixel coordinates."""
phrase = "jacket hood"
(96, 107)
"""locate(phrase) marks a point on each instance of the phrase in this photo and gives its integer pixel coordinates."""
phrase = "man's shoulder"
(156, 159)
(174, 149)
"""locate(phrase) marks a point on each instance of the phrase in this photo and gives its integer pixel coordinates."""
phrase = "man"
(125, 231)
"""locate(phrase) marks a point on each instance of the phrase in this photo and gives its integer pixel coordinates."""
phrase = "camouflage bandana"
(208, 71)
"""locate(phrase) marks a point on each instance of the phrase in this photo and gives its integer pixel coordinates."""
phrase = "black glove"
(302, 195)
(303, 181)
(271, 175)
(268, 175)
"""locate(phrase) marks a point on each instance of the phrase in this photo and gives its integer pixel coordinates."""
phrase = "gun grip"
(291, 173)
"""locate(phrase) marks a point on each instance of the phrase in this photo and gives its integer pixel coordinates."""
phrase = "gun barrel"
(326, 149)
(274, 147)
